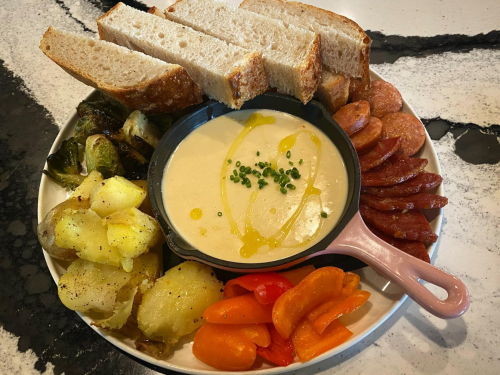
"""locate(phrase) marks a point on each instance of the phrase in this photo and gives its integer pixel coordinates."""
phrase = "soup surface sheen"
(233, 222)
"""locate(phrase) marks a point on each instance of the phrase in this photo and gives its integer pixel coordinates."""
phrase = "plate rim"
(120, 344)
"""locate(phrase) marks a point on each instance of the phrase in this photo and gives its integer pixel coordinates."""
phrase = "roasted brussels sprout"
(93, 123)
(134, 164)
(102, 108)
(102, 156)
(141, 134)
(64, 167)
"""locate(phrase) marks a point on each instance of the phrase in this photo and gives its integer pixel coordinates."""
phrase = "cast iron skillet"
(350, 236)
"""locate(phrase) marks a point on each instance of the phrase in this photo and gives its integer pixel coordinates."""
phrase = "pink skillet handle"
(405, 270)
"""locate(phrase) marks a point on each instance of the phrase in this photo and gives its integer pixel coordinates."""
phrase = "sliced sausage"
(409, 225)
(382, 151)
(423, 182)
(383, 97)
(353, 117)
(401, 171)
(422, 201)
(413, 248)
(364, 140)
(406, 126)
(354, 85)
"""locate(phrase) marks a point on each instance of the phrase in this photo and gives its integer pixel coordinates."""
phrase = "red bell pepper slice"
(280, 352)
(267, 287)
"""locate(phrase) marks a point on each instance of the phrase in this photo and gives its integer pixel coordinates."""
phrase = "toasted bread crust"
(157, 12)
(364, 53)
(310, 71)
(173, 90)
(333, 93)
(242, 89)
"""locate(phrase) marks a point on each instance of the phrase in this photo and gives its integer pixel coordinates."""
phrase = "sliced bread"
(227, 73)
(291, 55)
(157, 12)
(345, 47)
(134, 79)
(333, 91)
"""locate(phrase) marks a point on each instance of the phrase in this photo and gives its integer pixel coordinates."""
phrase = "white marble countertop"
(459, 86)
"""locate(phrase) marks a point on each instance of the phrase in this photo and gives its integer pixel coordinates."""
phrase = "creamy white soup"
(287, 191)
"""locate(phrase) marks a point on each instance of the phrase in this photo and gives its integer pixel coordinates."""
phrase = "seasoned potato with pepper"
(173, 307)
(146, 205)
(85, 189)
(132, 232)
(115, 194)
(92, 286)
(83, 231)
(46, 229)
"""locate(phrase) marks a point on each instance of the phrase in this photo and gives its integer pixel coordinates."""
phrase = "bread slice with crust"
(333, 91)
(291, 55)
(345, 47)
(225, 72)
(134, 79)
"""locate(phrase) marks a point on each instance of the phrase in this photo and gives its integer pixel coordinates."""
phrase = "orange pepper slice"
(309, 344)
(295, 303)
(348, 305)
(225, 347)
(350, 283)
(297, 275)
(243, 309)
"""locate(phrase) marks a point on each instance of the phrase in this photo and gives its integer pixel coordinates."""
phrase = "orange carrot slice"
(350, 283)
(309, 344)
(224, 347)
(323, 284)
(348, 305)
(243, 309)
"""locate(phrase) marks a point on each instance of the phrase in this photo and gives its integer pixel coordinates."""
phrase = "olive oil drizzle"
(251, 238)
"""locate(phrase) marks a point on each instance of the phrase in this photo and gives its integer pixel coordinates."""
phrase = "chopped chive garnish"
(324, 215)
(258, 153)
(231, 177)
(229, 161)
(273, 173)
(242, 168)
(290, 162)
(248, 184)
(276, 178)
(238, 163)
(290, 186)
(288, 154)
(283, 190)
(301, 161)
(235, 172)
(236, 179)
(282, 171)
(219, 213)
(261, 165)
(288, 171)
(248, 170)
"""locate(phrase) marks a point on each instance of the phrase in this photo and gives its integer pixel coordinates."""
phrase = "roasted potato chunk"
(85, 189)
(173, 307)
(46, 229)
(83, 231)
(115, 194)
(92, 286)
(146, 205)
(132, 232)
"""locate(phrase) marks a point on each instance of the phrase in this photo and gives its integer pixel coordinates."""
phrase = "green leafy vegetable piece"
(64, 167)
(102, 156)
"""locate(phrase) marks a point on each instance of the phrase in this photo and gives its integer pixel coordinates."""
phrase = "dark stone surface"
(389, 48)
(473, 144)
